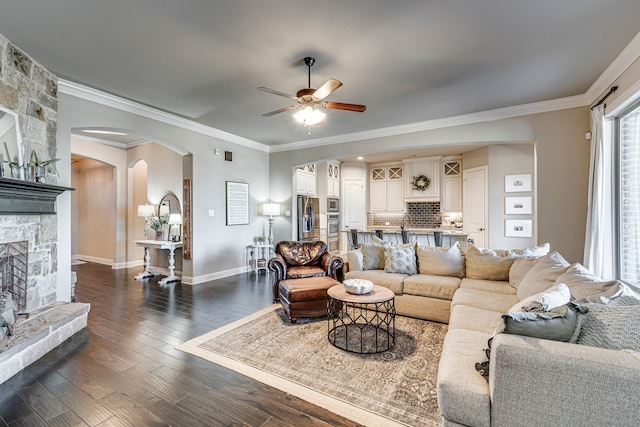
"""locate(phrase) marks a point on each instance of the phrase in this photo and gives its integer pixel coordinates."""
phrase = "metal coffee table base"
(362, 327)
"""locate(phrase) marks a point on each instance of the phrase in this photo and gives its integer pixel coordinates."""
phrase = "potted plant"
(259, 240)
(37, 168)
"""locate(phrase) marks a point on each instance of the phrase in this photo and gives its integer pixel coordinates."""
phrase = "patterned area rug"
(397, 387)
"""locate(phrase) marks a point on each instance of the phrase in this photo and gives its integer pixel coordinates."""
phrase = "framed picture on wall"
(517, 205)
(237, 203)
(518, 228)
(517, 183)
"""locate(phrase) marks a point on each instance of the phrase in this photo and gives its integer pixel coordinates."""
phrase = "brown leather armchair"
(297, 260)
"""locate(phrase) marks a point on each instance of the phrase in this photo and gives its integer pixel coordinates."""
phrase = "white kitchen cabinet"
(333, 179)
(386, 188)
(306, 180)
(451, 185)
(429, 167)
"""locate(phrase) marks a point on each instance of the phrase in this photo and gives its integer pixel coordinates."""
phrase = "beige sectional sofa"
(531, 381)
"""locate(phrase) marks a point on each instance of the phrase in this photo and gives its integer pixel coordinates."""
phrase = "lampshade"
(271, 209)
(163, 210)
(146, 211)
(309, 116)
(175, 219)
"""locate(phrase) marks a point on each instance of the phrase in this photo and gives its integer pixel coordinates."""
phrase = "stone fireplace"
(27, 215)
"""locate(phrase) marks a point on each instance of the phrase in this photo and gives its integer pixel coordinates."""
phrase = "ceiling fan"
(308, 99)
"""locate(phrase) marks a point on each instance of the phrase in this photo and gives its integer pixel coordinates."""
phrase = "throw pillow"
(490, 264)
(587, 287)
(556, 324)
(398, 259)
(372, 256)
(520, 267)
(542, 275)
(441, 261)
(610, 326)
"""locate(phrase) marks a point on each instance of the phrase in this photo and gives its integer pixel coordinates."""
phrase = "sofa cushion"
(520, 268)
(542, 275)
(494, 286)
(301, 253)
(441, 261)
(354, 260)
(495, 264)
(587, 287)
(399, 259)
(425, 285)
(372, 256)
(463, 394)
(485, 300)
(610, 326)
(393, 281)
(474, 319)
(305, 271)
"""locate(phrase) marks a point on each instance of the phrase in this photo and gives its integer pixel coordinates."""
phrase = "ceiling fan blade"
(281, 110)
(343, 106)
(325, 90)
(277, 92)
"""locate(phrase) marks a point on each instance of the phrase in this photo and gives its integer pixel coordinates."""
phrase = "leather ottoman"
(305, 297)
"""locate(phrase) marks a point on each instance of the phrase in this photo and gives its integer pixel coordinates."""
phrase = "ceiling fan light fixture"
(310, 116)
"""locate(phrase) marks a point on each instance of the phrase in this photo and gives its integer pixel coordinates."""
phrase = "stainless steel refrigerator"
(308, 218)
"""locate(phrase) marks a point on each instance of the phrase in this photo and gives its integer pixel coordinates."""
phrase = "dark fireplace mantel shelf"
(19, 197)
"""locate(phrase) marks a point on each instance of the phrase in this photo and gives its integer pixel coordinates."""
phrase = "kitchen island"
(424, 236)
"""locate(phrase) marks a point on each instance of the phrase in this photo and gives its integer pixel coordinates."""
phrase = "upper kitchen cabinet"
(386, 188)
(306, 180)
(451, 185)
(333, 179)
(429, 167)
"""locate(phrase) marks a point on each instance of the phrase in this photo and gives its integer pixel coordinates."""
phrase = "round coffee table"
(361, 323)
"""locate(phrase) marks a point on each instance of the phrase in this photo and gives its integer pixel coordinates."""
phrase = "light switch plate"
(212, 212)
(216, 151)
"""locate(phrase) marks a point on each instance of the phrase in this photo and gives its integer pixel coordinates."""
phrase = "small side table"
(361, 323)
(259, 256)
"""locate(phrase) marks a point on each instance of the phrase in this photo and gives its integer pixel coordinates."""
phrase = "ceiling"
(408, 61)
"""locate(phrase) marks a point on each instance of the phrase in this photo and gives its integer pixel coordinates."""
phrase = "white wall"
(218, 250)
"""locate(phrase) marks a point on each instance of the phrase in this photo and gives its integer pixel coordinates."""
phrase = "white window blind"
(629, 197)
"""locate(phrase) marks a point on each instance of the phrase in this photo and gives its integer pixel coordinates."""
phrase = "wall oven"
(333, 205)
(333, 232)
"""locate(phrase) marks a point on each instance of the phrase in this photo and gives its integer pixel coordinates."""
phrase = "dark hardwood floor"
(123, 370)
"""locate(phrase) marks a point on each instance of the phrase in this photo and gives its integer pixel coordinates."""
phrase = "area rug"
(397, 387)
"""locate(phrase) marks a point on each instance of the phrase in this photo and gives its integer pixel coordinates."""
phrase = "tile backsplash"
(419, 215)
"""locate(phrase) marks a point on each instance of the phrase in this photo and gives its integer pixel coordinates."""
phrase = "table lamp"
(146, 211)
(175, 219)
(271, 210)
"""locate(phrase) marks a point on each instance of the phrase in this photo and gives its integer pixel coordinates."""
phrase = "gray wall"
(562, 167)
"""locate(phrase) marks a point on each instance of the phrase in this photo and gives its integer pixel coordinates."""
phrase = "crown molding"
(99, 97)
(464, 119)
(628, 56)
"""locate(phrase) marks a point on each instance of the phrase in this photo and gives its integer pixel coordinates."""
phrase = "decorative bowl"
(358, 286)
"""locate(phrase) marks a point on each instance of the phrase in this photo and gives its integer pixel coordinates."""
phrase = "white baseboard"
(89, 258)
(189, 280)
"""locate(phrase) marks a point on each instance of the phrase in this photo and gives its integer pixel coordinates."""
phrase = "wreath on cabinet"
(420, 182)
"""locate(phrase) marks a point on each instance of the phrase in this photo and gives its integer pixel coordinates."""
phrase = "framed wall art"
(517, 183)
(237, 203)
(518, 228)
(517, 205)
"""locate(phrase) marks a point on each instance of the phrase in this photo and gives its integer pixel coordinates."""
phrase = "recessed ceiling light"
(360, 158)
(103, 132)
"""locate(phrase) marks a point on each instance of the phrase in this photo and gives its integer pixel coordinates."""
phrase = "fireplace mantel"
(19, 197)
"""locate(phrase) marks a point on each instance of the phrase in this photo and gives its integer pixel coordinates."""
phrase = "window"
(629, 195)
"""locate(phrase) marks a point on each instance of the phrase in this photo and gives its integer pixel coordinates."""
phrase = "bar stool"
(437, 238)
(352, 236)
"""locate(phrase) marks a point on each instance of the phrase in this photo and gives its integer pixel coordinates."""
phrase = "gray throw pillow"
(372, 256)
(557, 324)
(610, 326)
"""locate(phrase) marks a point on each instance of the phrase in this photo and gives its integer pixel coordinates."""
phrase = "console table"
(159, 244)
